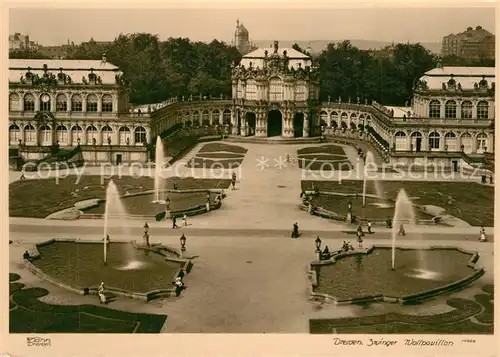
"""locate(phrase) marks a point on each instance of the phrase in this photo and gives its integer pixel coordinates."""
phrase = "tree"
(27, 54)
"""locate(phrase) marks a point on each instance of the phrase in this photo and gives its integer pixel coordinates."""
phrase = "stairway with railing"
(63, 155)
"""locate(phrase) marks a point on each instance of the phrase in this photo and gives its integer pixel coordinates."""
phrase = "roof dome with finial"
(241, 31)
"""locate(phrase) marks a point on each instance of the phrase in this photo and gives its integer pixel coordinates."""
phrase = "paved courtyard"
(249, 275)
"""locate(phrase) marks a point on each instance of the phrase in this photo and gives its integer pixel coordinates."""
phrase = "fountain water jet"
(370, 166)
(159, 163)
(114, 209)
(403, 212)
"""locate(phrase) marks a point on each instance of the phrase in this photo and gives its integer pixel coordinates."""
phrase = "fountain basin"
(133, 271)
(366, 276)
(144, 205)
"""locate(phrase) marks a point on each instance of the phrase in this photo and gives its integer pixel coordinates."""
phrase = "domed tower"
(241, 38)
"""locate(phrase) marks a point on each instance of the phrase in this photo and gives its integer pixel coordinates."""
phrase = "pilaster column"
(221, 119)
(305, 130)
(441, 111)
(53, 102)
(68, 102)
(234, 123)
(99, 104)
(37, 101)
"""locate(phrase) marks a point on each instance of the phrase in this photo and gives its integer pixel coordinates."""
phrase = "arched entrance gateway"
(298, 125)
(274, 123)
(250, 118)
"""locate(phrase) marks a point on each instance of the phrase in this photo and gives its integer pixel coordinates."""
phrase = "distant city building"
(73, 103)
(472, 44)
(19, 41)
(242, 39)
(58, 52)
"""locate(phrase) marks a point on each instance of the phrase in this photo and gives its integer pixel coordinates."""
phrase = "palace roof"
(290, 52)
(76, 69)
(467, 77)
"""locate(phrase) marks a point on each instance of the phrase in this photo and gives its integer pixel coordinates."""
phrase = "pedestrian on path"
(370, 227)
(402, 231)
(174, 220)
(185, 219)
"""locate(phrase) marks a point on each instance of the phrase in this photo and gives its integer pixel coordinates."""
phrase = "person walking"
(370, 227)
(174, 220)
(185, 220)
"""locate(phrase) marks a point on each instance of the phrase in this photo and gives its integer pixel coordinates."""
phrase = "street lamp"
(183, 244)
(317, 242)
(167, 202)
(146, 234)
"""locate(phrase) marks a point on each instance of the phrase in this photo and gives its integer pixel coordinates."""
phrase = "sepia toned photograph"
(252, 171)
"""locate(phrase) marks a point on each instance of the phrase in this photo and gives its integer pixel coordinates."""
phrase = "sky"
(56, 26)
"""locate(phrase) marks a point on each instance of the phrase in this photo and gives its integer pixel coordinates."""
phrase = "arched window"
(92, 103)
(62, 135)
(76, 103)
(91, 134)
(45, 102)
(466, 109)
(434, 109)
(450, 109)
(14, 102)
(45, 135)
(205, 118)
(300, 92)
(400, 141)
(450, 141)
(14, 134)
(29, 102)
(107, 103)
(466, 140)
(29, 135)
(196, 119)
(323, 117)
(275, 90)
(76, 133)
(226, 117)
(216, 117)
(61, 103)
(434, 140)
(481, 142)
(107, 135)
(251, 90)
(124, 134)
(482, 110)
(335, 118)
(140, 135)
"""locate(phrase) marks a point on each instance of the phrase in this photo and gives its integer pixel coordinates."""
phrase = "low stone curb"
(186, 266)
(313, 273)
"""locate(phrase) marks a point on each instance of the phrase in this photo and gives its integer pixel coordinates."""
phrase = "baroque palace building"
(275, 93)
(70, 104)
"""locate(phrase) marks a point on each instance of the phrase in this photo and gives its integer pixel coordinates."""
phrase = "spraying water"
(115, 210)
(403, 213)
(371, 166)
(159, 162)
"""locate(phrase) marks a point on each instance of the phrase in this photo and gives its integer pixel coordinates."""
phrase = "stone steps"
(271, 140)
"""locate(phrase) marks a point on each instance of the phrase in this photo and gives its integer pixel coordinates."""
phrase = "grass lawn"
(208, 164)
(325, 157)
(215, 147)
(219, 155)
(40, 198)
(327, 149)
(143, 204)
(29, 315)
(469, 201)
(457, 321)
